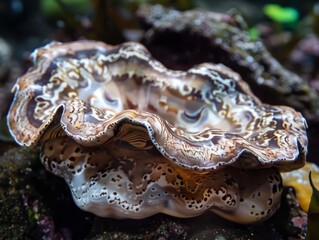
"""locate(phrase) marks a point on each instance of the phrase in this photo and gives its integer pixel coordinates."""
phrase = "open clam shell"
(133, 138)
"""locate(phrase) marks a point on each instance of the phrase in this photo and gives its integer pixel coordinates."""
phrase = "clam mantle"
(133, 138)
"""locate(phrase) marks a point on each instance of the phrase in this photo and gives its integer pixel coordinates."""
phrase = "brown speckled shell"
(133, 138)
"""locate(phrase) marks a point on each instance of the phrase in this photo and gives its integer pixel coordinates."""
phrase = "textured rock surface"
(33, 203)
(182, 39)
(291, 220)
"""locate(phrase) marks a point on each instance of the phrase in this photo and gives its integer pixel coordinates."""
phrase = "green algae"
(281, 14)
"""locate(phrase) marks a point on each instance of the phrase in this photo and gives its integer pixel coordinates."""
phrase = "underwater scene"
(168, 119)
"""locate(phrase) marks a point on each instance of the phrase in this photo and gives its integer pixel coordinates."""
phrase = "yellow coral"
(299, 180)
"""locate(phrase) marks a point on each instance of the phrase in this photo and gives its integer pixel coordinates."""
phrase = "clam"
(133, 138)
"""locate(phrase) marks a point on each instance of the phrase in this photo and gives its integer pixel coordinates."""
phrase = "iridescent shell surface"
(133, 138)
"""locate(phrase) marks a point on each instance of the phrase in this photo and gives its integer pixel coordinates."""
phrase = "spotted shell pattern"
(133, 138)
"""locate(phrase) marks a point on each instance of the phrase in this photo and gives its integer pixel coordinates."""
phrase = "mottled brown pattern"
(133, 138)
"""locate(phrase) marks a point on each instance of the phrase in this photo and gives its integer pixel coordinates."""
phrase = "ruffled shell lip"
(289, 156)
(241, 157)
